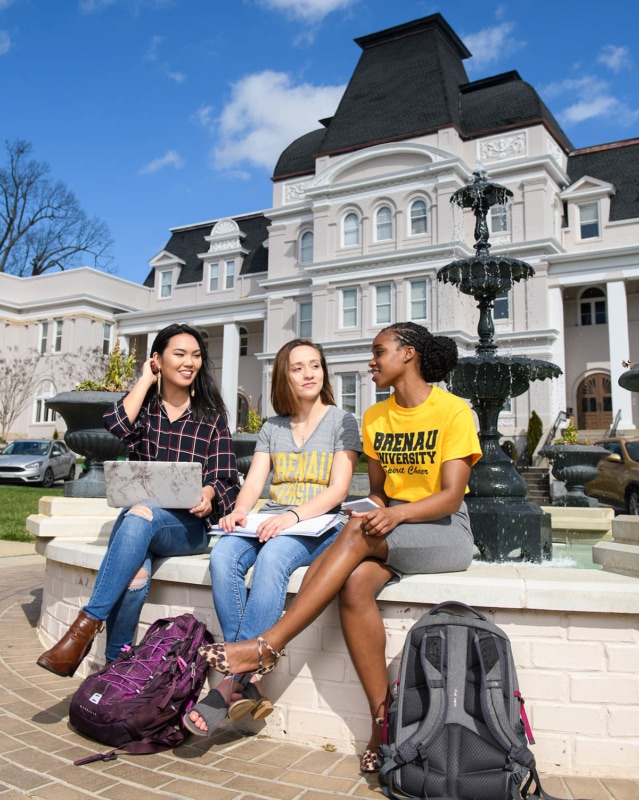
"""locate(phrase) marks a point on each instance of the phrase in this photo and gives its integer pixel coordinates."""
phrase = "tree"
(42, 225)
(17, 382)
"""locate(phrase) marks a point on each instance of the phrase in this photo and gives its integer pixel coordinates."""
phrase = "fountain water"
(503, 520)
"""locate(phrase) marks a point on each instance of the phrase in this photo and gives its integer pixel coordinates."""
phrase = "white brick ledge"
(575, 636)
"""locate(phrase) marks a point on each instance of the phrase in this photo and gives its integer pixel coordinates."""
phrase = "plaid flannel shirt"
(153, 437)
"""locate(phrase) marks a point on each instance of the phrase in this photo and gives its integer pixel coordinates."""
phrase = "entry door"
(594, 398)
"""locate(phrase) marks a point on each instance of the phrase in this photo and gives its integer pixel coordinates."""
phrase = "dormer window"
(229, 274)
(589, 220)
(166, 284)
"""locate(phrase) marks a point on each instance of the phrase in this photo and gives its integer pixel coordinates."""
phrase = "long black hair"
(206, 400)
(438, 355)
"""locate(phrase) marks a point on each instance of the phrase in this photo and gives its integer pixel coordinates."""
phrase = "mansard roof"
(410, 81)
(188, 243)
(616, 163)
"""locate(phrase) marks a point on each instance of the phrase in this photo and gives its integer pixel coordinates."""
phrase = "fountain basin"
(491, 376)
(485, 275)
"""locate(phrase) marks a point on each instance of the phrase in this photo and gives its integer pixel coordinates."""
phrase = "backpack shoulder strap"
(432, 654)
(492, 698)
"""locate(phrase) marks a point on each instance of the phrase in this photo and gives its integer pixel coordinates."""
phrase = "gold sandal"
(215, 655)
(372, 759)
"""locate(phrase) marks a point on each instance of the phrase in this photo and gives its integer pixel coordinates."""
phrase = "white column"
(619, 347)
(230, 370)
(559, 401)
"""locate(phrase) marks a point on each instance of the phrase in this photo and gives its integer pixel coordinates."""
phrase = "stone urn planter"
(87, 436)
(575, 465)
(244, 446)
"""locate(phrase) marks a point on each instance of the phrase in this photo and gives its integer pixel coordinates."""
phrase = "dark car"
(617, 483)
(38, 461)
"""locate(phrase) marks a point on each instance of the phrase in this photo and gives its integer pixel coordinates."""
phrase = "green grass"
(17, 503)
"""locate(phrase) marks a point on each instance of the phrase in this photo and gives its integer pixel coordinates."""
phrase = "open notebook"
(162, 484)
(315, 526)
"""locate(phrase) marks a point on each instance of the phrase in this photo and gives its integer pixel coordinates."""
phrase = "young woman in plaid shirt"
(173, 413)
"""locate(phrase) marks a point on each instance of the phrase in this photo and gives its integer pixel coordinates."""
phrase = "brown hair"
(283, 397)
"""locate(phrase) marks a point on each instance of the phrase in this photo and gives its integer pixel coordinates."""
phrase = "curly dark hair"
(437, 354)
(207, 399)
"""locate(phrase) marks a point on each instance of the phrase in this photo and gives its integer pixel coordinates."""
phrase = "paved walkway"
(37, 746)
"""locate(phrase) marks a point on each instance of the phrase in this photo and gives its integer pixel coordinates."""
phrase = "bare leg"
(335, 565)
(365, 636)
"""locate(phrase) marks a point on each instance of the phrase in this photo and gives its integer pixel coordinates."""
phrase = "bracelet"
(296, 514)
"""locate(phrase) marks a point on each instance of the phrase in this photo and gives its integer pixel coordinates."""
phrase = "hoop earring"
(159, 383)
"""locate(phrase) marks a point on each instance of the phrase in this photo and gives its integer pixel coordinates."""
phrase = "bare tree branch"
(42, 225)
(17, 383)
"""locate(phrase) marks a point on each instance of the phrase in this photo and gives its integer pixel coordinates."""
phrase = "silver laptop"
(162, 484)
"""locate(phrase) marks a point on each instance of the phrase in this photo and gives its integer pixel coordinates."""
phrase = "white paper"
(315, 526)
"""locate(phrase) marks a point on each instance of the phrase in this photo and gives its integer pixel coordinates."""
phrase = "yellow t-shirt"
(411, 444)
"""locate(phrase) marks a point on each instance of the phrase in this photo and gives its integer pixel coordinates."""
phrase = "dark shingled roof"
(410, 80)
(501, 102)
(186, 243)
(617, 163)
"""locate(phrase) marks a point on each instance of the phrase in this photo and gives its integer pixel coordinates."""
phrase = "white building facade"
(361, 221)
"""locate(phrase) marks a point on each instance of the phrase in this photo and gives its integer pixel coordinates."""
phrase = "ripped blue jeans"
(120, 587)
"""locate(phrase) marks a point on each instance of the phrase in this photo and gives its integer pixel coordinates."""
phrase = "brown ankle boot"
(65, 657)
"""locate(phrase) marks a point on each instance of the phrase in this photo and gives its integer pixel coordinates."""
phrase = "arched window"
(383, 224)
(306, 247)
(243, 341)
(592, 307)
(351, 229)
(418, 217)
(43, 392)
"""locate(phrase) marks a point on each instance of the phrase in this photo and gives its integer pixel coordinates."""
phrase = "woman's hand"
(149, 372)
(205, 506)
(229, 522)
(271, 527)
(381, 521)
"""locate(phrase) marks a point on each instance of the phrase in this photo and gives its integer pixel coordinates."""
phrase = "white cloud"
(265, 114)
(204, 117)
(615, 58)
(178, 77)
(5, 43)
(594, 100)
(154, 46)
(94, 6)
(307, 10)
(492, 44)
(170, 159)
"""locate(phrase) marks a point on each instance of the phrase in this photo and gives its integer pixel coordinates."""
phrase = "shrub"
(533, 434)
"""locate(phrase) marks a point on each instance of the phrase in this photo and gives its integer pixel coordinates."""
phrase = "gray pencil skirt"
(445, 545)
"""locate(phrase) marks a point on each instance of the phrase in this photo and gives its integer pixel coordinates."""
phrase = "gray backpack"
(457, 728)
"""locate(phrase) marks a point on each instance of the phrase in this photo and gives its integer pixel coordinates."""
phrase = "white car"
(38, 461)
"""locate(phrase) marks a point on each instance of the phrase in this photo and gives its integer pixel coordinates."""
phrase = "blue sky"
(159, 113)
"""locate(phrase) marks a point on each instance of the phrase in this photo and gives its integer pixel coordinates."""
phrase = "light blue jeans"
(244, 613)
(134, 542)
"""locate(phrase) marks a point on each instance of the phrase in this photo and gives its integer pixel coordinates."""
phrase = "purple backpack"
(137, 702)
